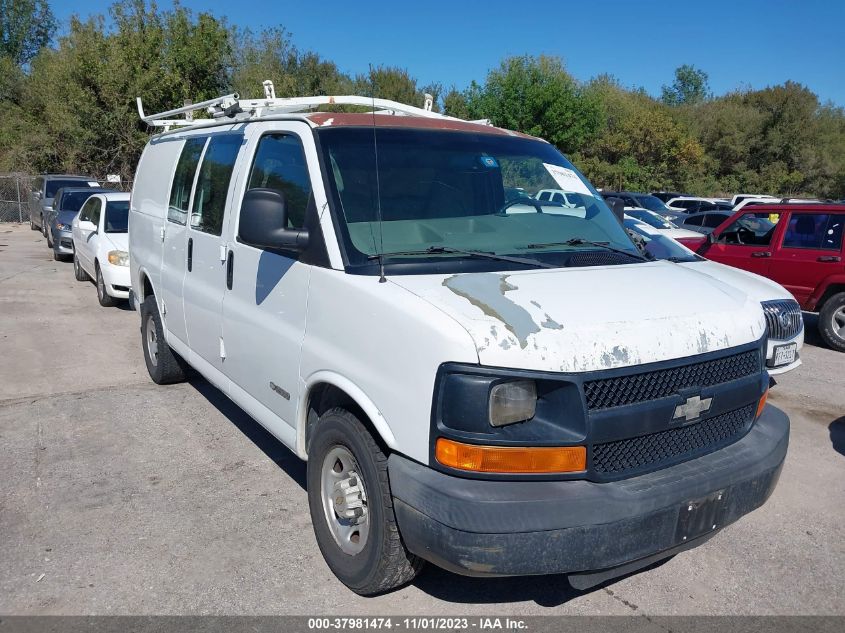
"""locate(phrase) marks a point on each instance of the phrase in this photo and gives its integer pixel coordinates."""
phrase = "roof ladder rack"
(231, 105)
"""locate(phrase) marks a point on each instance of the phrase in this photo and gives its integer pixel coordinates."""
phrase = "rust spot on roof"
(387, 120)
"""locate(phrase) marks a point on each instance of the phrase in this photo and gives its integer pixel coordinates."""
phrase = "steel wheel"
(837, 322)
(152, 340)
(101, 286)
(345, 500)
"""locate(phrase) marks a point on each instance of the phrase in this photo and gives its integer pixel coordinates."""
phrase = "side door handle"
(230, 269)
(190, 253)
(829, 258)
(761, 254)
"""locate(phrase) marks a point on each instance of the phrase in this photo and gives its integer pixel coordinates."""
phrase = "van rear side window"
(213, 183)
(183, 180)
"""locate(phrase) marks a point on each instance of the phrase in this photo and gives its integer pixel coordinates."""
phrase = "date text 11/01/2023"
(417, 624)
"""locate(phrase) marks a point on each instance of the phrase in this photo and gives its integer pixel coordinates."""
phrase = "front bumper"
(62, 242)
(770, 354)
(117, 280)
(508, 528)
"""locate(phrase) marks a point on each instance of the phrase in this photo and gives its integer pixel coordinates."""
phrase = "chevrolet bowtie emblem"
(692, 408)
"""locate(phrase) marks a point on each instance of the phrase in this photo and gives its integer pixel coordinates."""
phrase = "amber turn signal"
(762, 404)
(509, 459)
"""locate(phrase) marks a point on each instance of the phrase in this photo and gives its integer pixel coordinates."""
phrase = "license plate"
(785, 354)
(699, 516)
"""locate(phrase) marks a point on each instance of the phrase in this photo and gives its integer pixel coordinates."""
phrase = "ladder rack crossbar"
(232, 104)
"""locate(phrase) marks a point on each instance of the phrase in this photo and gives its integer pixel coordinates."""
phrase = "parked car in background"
(668, 195)
(800, 246)
(44, 189)
(741, 197)
(527, 395)
(659, 223)
(704, 223)
(786, 323)
(564, 198)
(698, 205)
(66, 204)
(101, 245)
(748, 201)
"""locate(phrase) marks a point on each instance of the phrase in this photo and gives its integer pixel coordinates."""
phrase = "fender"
(354, 392)
(835, 279)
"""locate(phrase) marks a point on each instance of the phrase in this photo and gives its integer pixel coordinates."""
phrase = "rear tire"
(344, 456)
(105, 299)
(43, 226)
(832, 322)
(79, 272)
(163, 364)
(32, 226)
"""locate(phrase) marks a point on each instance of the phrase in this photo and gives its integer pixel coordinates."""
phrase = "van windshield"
(438, 191)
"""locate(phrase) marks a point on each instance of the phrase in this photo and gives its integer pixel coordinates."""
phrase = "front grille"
(66, 243)
(673, 445)
(783, 318)
(623, 390)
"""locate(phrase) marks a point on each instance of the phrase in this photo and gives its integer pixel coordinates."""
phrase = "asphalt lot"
(121, 497)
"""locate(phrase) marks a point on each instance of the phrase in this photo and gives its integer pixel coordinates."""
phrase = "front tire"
(43, 226)
(105, 299)
(163, 364)
(32, 226)
(832, 322)
(352, 508)
(79, 272)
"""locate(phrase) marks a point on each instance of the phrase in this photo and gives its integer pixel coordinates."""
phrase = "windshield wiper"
(578, 241)
(448, 250)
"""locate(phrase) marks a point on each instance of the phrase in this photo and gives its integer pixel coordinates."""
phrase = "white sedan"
(101, 245)
(782, 354)
(659, 223)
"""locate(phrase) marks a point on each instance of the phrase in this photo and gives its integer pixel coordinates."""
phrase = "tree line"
(68, 105)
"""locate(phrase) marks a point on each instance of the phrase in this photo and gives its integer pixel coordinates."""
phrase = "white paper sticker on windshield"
(567, 179)
(91, 183)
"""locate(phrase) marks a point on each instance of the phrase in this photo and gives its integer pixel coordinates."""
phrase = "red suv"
(800, 246)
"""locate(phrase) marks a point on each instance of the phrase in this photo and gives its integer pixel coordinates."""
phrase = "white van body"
(288, 335)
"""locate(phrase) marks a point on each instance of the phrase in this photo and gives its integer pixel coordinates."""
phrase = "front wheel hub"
(344, 495)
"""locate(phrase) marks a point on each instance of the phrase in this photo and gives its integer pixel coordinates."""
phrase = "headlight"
(119, 258)
(63, 227)
(513, 401)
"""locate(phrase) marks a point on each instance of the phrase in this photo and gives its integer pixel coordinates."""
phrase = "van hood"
(586, 319)
(755, 286)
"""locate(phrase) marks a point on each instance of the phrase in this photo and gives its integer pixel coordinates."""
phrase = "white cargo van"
(475, 378)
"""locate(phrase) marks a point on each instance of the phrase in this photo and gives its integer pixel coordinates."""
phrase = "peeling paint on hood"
(584, 319)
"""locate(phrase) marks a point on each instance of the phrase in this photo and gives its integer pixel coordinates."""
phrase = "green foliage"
(71, 107)
(25, 27)
(536, 96)
(689, 88)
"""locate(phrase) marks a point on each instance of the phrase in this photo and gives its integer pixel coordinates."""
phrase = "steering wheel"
(744, 231)
(537, 204)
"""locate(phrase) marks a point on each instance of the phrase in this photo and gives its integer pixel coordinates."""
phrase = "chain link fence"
(14, 197)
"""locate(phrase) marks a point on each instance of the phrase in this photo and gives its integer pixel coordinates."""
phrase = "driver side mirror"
(709, 240)
(264, 222)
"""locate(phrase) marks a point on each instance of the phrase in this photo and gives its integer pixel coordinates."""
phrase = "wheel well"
(831, 290)
(325, 396)
(146, 287)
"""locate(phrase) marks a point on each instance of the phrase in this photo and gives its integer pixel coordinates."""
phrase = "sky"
(739, 43)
